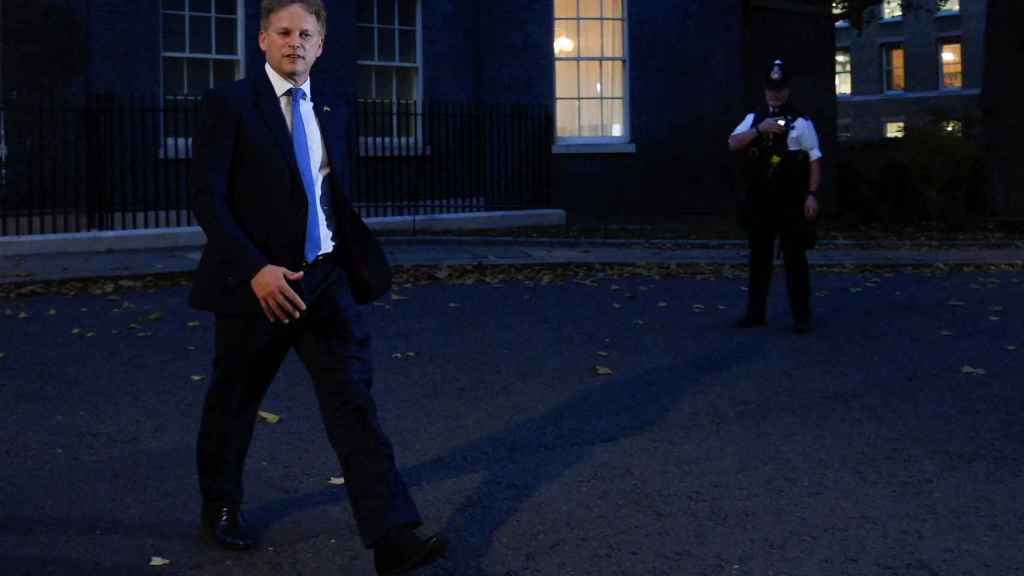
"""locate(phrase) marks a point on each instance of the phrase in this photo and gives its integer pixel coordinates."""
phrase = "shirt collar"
(282, 86)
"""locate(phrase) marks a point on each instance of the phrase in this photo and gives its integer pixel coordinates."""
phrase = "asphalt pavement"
(615, 426)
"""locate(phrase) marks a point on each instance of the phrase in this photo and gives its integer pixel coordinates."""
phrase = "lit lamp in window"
(948, 56)
(564, 45)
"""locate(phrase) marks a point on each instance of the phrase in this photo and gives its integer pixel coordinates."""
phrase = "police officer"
(782, 170)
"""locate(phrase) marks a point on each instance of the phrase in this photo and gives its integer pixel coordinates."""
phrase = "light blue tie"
(301, 147)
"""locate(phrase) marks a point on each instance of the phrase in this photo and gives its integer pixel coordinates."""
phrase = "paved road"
(862, 449)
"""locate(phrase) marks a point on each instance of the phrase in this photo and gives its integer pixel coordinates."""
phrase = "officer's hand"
(277, 298)
(770, 126)
(811, 209)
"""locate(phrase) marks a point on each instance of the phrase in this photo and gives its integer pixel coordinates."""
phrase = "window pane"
(843, 74)
(386, 44)
(895, 129)
(174, 33)
(953, 127)
(386, 13)
(952, 67)
(590, 79)
(384, 83)
(892, 9)
(951, 6)
(407, 83)
(365, 13)
(590, 118)
(200, 35)
(198, 76)
(365, 88)
(590, 38)
(613, 79)
(590, 8)
(565, 8)
(224, 71)
(199, 6)
(568, 118)
(364, 40)
(407, 13)
(407, 46)
(566, 39)
(178, 5)
(613, 8)
(227, 7)
(613, 38)
(174, 76)
(566, 79)
(614, 118)
(227, 36)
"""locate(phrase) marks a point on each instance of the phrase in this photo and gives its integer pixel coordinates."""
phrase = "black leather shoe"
(226, 527)
(403, 551)
(748, 321)
(801, 326)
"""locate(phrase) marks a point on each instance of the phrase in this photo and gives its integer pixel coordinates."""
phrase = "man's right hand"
(770, 126)
(278, 300)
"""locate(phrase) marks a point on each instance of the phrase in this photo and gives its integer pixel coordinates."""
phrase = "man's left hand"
(811, 208)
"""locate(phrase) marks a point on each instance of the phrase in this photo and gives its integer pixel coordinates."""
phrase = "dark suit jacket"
(249, 199)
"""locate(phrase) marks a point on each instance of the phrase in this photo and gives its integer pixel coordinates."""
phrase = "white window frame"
(180, 147)
(942, 42)
(849, 73)
(575, 143)
(888, 5)
(395, 145)
(887, 66)
(895, 120)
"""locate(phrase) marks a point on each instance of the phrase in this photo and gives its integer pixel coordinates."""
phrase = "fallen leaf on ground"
(615, 287)
(51, 312)
(993, 317)
(190, 348)
(194, 323)
(971, 370)
(410, 354)
(638, 322)
(23, 315)
(662, 304)
(397, 355)
(269, 417)
(158, 561)
(603, 370)
(154, 316)
(336, 480)
(946, 332)
(198, 377)
(856, 290)
(1011, 348)
(616, 305)
(602, 353)
(3, 355)
(722, 307)
(454, 305)
(956, 303)
(996, 309)
(398, 297)
(144, 334)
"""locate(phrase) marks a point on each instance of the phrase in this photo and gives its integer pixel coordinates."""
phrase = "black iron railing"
(122, 165)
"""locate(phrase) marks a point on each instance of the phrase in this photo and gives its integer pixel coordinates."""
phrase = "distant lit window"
(897, 129)
(844, 76)
(892, 9)
(895, 70)
(952, 65)
(949, 6)
(953, 127)
(836, 10)
(200, 45)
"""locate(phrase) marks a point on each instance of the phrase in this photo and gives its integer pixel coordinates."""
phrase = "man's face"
(776, 97)
(292, 42)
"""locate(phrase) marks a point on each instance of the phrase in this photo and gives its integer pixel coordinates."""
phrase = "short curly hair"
(314, 7)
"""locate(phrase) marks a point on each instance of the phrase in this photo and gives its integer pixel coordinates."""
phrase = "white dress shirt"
(801, 137)
(317, 152)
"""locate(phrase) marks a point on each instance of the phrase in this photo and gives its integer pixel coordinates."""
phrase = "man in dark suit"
(287, 259)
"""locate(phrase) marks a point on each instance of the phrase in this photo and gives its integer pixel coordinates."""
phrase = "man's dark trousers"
(783, 219)
(333, 342)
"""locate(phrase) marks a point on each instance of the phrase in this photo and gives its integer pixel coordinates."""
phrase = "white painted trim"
(903, 95)
(594, 148)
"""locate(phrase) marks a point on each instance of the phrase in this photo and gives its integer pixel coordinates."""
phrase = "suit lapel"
(325, 118)
(270, 108)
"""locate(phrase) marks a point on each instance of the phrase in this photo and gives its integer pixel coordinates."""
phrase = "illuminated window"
(952, 65)
(896, 129)
(892, 9)
(590, 70)
(844, 75)
(950, 6)
(953, 127)
(836, 10)
(895, 71)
